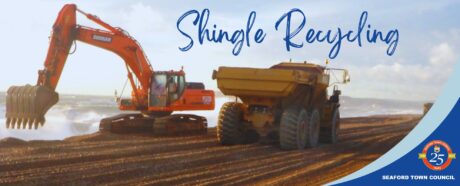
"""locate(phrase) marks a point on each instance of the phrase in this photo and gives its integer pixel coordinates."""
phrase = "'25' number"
(437, 159)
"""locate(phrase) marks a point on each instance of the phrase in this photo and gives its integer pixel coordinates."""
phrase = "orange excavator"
(156, 94)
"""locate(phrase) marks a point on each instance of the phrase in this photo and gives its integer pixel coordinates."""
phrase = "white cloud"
(403, 80)
(400, 73)
(442, 55)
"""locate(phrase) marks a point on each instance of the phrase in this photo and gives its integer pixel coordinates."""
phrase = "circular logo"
(437, 155)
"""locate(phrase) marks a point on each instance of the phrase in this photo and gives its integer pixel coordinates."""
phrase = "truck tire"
(299, 129)
(313, 128)
(330, 134)
(229, 126)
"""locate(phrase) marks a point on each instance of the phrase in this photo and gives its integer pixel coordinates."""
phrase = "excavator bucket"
(27, 105)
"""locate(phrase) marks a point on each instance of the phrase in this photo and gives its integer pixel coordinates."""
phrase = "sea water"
(78, 115)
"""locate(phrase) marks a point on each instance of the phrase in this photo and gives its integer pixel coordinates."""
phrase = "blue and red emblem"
(437, 155)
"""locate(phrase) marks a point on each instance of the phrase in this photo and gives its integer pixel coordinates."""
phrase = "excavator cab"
(166, 87)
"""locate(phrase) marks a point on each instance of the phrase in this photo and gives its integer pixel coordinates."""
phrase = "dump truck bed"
(264, 82)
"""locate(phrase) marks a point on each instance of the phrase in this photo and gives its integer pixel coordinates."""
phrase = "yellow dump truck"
(287, 102)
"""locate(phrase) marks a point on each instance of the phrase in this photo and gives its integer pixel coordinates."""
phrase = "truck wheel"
(299, 129)
(292, 129)
(330, 134)
(313, 129)
(229, 126)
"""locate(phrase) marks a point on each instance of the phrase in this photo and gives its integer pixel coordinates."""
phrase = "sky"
(429, 38)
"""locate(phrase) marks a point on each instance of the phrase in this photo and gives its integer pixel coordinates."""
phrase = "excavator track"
(176, 124)
(126, 123)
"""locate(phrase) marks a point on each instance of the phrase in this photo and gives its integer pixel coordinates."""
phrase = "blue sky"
(429, 40)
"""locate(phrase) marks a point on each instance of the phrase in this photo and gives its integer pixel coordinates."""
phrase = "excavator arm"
(66, 32)
(129, 50)
(27, 105)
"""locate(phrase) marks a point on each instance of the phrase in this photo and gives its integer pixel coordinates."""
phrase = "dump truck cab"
(287, 98)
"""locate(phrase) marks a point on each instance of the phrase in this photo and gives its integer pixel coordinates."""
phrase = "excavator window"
(176, 84)
(182, 84)
(172, 85)
(166, 88)
(158, 91)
